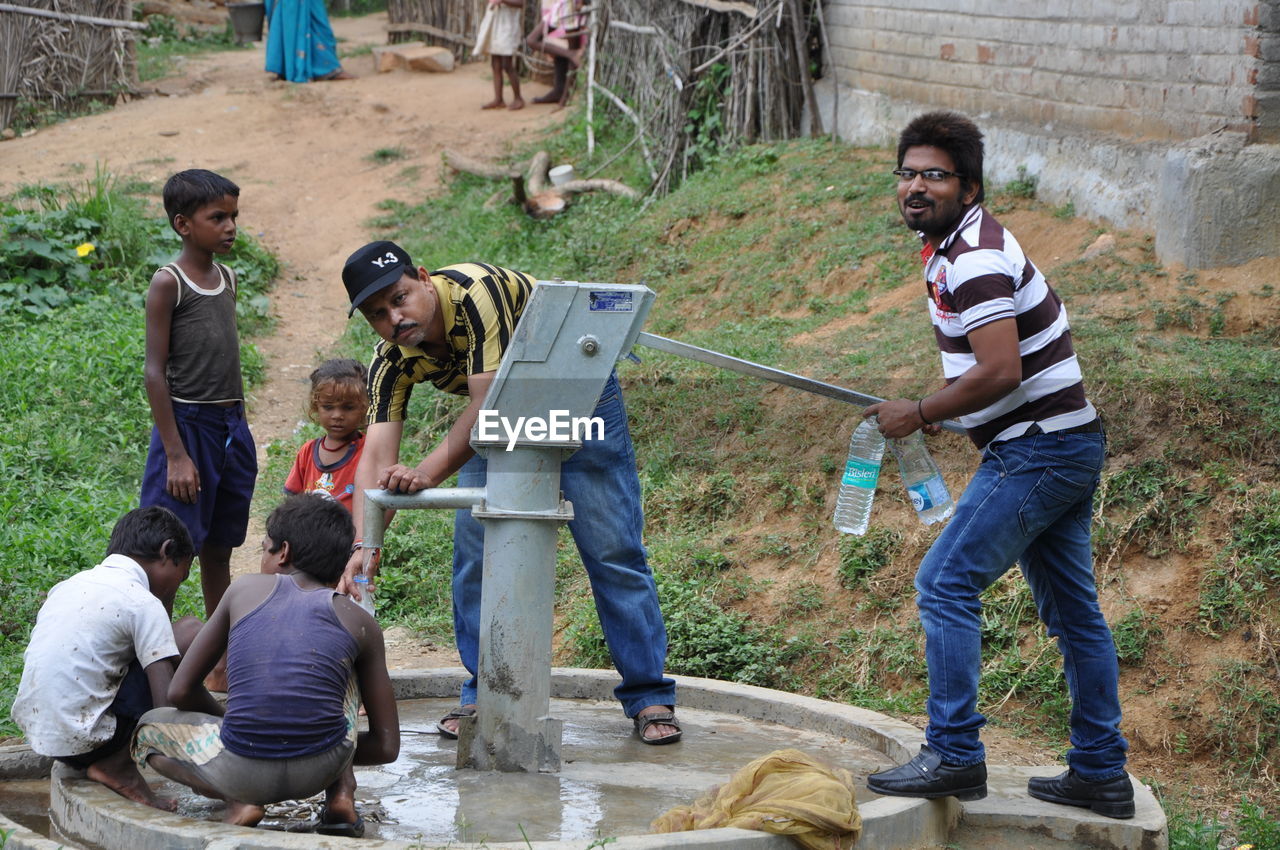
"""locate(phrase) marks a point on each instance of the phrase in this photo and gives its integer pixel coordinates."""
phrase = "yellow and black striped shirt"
(480, 305)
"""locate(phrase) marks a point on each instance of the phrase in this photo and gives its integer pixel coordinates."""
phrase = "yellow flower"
(84, 249)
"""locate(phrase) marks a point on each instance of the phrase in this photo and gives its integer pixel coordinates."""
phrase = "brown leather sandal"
(657, 718)
(458, 713)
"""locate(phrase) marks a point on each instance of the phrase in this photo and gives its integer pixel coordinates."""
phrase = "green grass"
(165, 42)
(1239, 588)
(78, 423)
(384, 156)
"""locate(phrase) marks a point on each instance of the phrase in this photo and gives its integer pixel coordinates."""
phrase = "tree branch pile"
(530, 187)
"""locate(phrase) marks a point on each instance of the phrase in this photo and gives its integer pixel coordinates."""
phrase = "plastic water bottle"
(361, 581)
(861, 472)
(925, 487)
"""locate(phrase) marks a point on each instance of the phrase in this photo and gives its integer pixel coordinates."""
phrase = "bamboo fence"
(448, 23)
(697, 76)
(692, 76)
(62, 52)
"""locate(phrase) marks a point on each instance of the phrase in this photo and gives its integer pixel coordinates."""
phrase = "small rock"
(8, 133)
(168, 132)
(428, 58)
(388, 57)
(1102, 245)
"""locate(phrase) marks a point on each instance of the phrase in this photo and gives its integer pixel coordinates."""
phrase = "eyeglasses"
(931, 175)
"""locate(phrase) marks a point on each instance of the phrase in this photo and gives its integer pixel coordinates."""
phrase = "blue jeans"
(1031, 500)
(600, 480)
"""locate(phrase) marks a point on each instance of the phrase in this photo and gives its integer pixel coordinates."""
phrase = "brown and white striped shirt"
(979, 275)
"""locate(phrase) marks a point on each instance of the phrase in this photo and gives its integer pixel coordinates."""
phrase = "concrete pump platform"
(610, 785)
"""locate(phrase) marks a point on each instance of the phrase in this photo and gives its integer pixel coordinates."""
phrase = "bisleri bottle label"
(860, 473)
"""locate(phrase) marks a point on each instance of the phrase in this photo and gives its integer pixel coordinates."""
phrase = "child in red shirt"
(339, 402)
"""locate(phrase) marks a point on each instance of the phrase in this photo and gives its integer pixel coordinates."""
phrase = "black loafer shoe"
(928, 776)
(1111, 798)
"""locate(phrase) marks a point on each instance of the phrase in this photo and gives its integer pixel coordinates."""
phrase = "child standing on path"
(499, 35)
(339, 402)
(202, 463)
(301, 657)
(102, 653)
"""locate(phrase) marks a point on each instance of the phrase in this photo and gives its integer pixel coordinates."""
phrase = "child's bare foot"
(118, 772)
(494, 104)
(516, 104)
(243, 814)
(552, 96)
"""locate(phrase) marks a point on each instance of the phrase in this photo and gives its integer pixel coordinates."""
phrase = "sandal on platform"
(657, 718)
(456, 714)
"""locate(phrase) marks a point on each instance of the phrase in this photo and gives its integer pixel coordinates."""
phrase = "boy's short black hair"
(187, 191)
(953, 133)
(141, 533)
(319, 532)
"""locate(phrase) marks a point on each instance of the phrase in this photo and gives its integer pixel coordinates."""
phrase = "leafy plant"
(705, 124)
(75, 440)
(1133, 635)
(1022, 186)
(862, 557)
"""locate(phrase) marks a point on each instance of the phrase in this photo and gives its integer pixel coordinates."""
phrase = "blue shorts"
(221, 447)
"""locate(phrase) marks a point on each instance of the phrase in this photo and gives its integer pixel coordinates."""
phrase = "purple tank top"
(288, 663)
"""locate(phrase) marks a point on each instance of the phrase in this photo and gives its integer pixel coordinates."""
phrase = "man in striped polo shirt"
(1013, 380)
(450, 328)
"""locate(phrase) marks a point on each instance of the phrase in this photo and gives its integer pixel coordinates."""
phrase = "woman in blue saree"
(301, 45)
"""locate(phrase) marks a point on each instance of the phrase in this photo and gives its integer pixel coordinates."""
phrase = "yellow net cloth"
(787, 793)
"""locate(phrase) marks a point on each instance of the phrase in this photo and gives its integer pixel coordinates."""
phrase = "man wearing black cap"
(450, 328)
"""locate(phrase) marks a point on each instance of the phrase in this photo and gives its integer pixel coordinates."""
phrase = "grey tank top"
(204, 347)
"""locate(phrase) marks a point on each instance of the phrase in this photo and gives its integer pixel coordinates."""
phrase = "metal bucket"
(247, 19)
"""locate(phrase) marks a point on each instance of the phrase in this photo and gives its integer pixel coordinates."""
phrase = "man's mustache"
(402, 328)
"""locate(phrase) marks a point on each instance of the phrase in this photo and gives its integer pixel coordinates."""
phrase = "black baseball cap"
(372, 269)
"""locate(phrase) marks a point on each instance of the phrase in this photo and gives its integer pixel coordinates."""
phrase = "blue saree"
(301, 45)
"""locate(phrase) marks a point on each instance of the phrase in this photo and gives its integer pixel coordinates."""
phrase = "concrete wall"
(1161, 115)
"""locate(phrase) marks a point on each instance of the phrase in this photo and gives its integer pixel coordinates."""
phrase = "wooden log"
(415, 27)
(724, 6)
(462, 162)
(599, 184)
(536, 173)
(69, 16)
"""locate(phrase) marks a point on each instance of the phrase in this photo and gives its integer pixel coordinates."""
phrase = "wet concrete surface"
(610, 784)
(26, 802)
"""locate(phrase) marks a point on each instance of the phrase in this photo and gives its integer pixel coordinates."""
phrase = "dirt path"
(302, 155)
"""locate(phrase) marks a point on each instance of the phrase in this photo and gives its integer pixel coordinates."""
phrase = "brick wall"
(1163, 70)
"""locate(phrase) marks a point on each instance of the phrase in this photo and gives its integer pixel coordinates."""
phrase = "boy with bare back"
(102, 653)
(202, 463)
